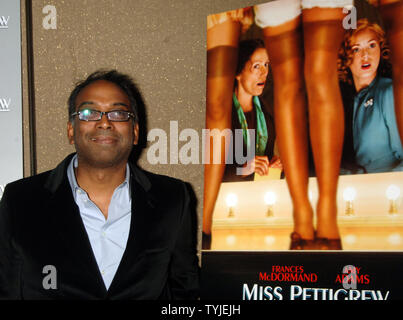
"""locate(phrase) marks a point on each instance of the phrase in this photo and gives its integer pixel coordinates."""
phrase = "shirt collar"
(366, 89)
(73, 182)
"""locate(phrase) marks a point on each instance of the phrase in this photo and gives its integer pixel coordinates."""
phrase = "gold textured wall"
(161, 44)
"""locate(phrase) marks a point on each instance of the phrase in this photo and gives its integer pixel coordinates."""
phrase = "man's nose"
(104, 122)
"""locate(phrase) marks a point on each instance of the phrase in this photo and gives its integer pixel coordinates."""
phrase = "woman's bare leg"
(285, 49)
(323, 34)
(222, 52)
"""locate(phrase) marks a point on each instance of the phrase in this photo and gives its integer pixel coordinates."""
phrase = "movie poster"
(249, 249)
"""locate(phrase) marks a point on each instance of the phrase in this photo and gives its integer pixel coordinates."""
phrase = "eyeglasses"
(95, 115)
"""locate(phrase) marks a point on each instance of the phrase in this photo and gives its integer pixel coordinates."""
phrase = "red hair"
(346, 54)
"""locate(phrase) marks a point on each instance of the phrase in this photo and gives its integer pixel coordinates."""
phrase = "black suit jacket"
(40, 225)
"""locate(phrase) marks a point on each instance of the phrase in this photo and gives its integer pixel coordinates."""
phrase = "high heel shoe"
(328, 244)
(297, 243)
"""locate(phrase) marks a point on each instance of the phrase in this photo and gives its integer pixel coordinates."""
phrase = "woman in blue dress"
(363, 63)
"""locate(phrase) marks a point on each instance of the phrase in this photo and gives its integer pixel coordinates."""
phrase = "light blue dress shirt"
(376, 138)
(108, 237)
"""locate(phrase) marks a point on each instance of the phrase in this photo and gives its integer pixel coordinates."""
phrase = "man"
(97, 226)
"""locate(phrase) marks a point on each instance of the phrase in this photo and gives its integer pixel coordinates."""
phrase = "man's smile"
(104, 139)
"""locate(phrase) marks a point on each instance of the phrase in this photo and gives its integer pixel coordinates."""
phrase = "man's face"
(102, 143)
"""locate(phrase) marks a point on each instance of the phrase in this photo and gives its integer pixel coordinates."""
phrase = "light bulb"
(393, 192)
(349, 194)
(231, 200)
(270, 198)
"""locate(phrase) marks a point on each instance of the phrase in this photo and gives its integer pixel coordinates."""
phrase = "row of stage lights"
(394, 239)
(349, 194)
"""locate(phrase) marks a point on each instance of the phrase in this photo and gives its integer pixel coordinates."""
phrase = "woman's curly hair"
(346, 53)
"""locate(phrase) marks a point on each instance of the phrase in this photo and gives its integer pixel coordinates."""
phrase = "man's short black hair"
(123, 81)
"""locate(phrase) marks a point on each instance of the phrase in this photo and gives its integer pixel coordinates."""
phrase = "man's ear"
(136, 133)
(70, 132)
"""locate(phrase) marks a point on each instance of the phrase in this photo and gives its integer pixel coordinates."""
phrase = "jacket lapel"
(65, 217)
(142, 203)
